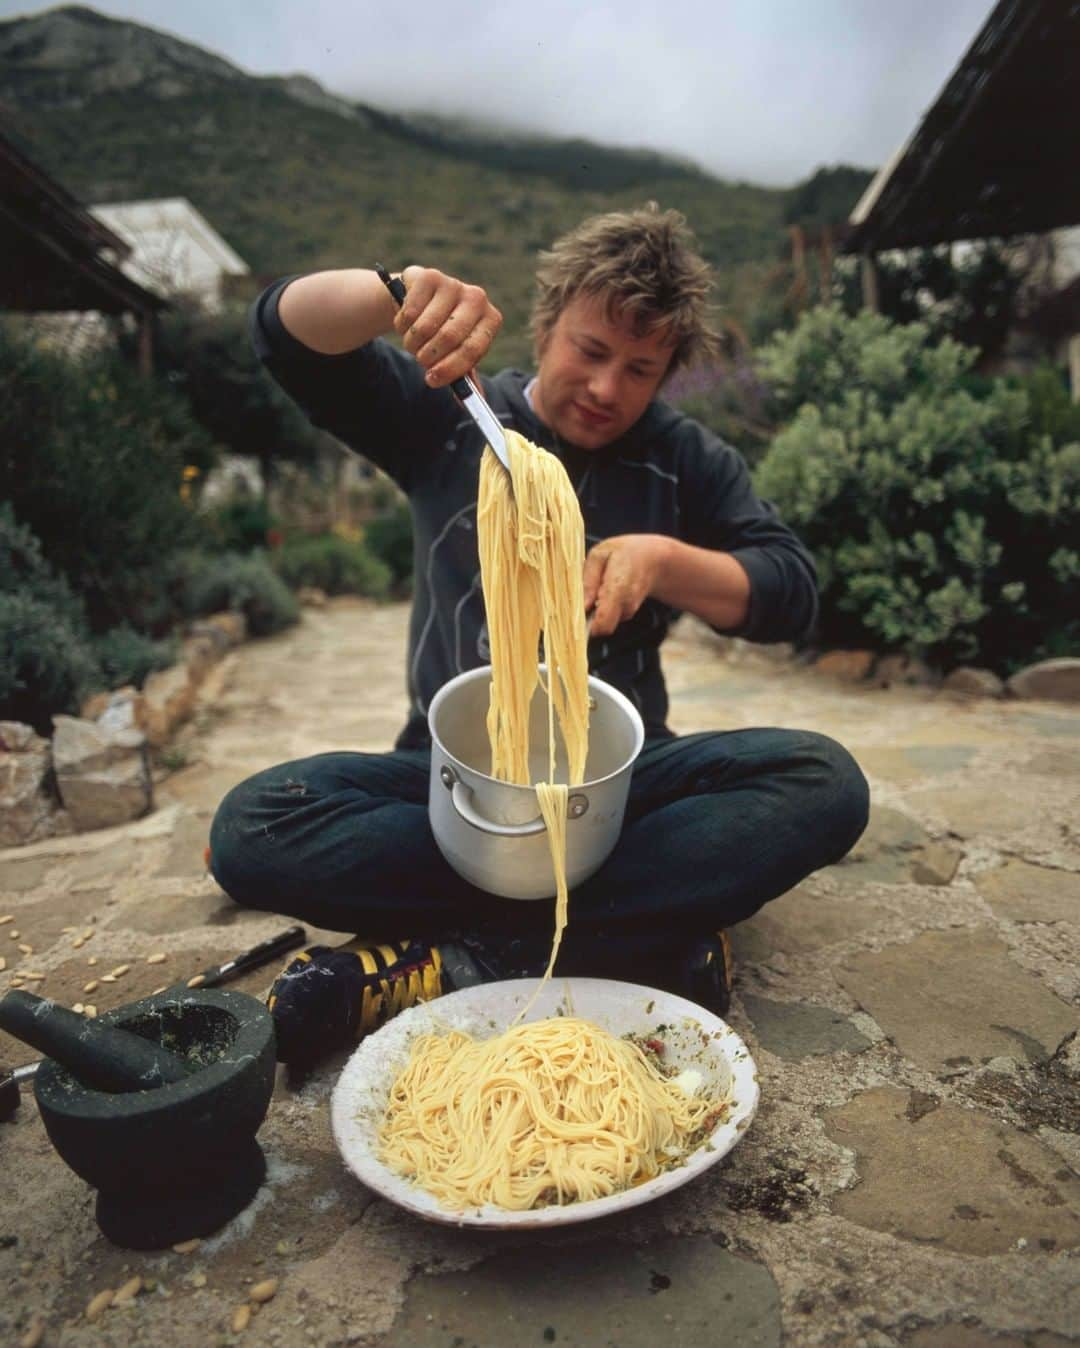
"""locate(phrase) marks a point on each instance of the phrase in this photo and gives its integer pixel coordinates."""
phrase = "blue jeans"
(716, 824)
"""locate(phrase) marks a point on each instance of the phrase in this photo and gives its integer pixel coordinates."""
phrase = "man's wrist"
(665, 561)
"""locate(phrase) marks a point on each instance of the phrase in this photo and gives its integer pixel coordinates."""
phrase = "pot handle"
(462, 798)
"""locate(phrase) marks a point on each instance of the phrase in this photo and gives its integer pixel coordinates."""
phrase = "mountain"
(296, 177)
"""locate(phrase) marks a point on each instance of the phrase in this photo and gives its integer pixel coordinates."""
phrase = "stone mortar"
(179, 1160)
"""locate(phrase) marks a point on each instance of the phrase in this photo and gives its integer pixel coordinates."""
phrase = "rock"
(940, 1174)
(217, 636)
(167, 700)
(201, 653)
(28, 809)
(903, 669)
(896, 850)
(795, 1030)
(17, 738)
(1065, 1062)
(233, 625)
(937, 864)
(103, 774)
(1057, 680)
(851, 665)
(119, 711)
(116, 710)
(507, 1298)
(311, 596)
(779, 652)
(94, 705)
(1022, 892)
(950, 999)
(968, 681)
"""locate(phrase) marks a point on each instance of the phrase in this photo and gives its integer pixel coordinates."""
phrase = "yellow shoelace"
(415, 983)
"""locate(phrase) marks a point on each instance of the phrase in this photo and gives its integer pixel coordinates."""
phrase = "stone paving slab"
(954, 998)
(912, 1175)
(672, 1291)
(794, 1030)
(1025, 893)
(912, 1183)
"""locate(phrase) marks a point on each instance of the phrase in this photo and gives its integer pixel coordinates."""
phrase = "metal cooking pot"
(492, 832)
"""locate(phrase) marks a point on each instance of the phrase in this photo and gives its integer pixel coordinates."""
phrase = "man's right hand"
(447, 325)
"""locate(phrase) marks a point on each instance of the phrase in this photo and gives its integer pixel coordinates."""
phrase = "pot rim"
(484, 671)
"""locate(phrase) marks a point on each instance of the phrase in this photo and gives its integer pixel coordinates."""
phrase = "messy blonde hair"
(643, 263)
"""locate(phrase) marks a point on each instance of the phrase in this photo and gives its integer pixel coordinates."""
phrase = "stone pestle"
(103, 1057)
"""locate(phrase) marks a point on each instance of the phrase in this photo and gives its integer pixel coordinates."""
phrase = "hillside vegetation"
(295, 178)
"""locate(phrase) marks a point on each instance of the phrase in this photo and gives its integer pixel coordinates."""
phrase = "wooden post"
(145, 321)
(826, 244)
(1073, 349)
(868, 272)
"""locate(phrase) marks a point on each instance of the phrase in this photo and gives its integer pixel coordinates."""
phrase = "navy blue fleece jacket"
(666, 475)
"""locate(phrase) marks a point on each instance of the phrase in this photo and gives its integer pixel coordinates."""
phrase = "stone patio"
(912, 1177)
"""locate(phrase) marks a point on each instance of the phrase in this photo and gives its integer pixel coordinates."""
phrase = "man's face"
(595, 377)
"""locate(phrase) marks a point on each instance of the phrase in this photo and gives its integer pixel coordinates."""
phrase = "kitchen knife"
(258, 955)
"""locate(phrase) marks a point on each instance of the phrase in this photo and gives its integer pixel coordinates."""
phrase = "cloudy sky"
(764, 90)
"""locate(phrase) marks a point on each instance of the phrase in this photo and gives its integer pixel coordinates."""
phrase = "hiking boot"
(703, 974)
(708, 972)
(325, 999)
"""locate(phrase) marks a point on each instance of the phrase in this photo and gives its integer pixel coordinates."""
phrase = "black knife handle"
(394, 284)
(266, 950)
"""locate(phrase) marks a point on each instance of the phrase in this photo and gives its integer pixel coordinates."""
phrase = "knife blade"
(9, 1087)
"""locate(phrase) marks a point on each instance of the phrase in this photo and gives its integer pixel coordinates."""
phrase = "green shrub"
(127, 656)
(1053, 411)
(729, 398)
(390, 538)
(385, 494)
(248, 585)
(942, 523)
(243, 524)
(46, 663)
(334, 565)
(24, 570)
(209, 359)
(92, 459)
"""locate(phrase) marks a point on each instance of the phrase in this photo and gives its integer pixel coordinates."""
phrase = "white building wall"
(176, 251)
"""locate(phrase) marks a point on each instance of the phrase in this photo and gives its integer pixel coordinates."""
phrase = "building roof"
(57, 257)
(998, 153)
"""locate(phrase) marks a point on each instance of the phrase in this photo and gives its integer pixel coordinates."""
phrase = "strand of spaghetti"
(552, 798)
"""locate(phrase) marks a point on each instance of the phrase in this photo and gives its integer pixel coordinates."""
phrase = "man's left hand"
(620, 574)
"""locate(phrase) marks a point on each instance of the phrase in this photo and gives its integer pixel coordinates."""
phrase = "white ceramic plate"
(693, 1037)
